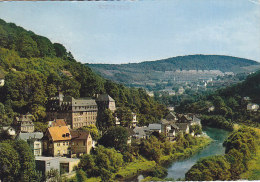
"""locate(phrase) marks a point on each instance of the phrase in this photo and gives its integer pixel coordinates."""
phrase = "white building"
(252, 107)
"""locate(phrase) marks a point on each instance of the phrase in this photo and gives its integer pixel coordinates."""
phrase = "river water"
(178, 169)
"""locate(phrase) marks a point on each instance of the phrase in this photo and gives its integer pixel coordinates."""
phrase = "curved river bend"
(178, 169)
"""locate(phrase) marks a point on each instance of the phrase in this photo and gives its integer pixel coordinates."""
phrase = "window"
(84, 143)
(63, 143)
(58, 144)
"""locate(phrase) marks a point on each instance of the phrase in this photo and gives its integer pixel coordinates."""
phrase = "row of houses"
(170, 126)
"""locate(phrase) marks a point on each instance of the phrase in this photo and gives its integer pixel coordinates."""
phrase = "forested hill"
(149, 69)
(192, 62)
(35, 69)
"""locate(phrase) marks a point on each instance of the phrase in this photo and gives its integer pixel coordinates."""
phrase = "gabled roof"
(26, 136)
(171, 116)
(155, 126)
(182, 126)
(80, 135)
(59, 122)
(105, 97)
(59, 133)
(78, 102)
(140, 131)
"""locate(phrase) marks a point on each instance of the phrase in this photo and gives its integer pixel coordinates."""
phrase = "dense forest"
(36, 69)
(191, 62)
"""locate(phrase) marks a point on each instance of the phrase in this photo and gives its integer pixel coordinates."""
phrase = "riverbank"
(132, 170)
(141, 165)
(253, 172)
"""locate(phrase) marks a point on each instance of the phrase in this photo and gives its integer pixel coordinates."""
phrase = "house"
(36, 146)
(171, 131)
(75, 112)
(169, 128)
(134, 120)
(155, 127)
(117, 121)
(140, 132)
(34, 141)
(104, 101)
(8, 130)
(81, 142)
(211, 109)
(130, 133)
(67, 165)
(24, 123)
(56, 141)
(183, 127)
(2, 79)
(252, 107)
(170, 108)
(57, 122)
(171, 117)
(45, 164)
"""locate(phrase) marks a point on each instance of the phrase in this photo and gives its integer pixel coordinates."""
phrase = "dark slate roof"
(171, 116)
(182, 126)
(155, 126)
(105, 97)
(26, 136)
(79, 102)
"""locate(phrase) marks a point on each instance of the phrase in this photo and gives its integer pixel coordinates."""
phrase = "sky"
(135, 31)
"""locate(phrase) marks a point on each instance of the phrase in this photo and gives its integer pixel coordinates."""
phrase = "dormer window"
(63, 135)
(67, 134)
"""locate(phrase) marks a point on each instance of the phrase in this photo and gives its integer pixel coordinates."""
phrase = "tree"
(196, 129)
(93, 131)
(9, 163)
(210, 168)
(115, 137)
(105, 120)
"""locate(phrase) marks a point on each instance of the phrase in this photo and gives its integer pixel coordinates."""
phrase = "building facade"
(81, 142)
(75, 112)
(24, 123)
(104, 101)
(56, 141)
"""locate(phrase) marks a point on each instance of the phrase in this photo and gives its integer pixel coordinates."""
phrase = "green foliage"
(196, 129)
(81, 175)
(17, 162)
(115, 137)
(93, 131)
(102, 163)
(146, 71)
(40, 127)
(34, 72)
(217, 121)
(209, 169)
(240, 147)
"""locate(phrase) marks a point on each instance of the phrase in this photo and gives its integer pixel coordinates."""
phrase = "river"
(178, 169)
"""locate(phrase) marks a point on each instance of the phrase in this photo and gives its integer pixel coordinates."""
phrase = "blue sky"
(135, 31)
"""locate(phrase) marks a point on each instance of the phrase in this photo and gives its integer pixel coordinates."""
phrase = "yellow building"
(56, 141)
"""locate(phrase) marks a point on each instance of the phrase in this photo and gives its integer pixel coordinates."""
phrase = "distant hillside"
(154, 70)
(35, 69)
(250, 87)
